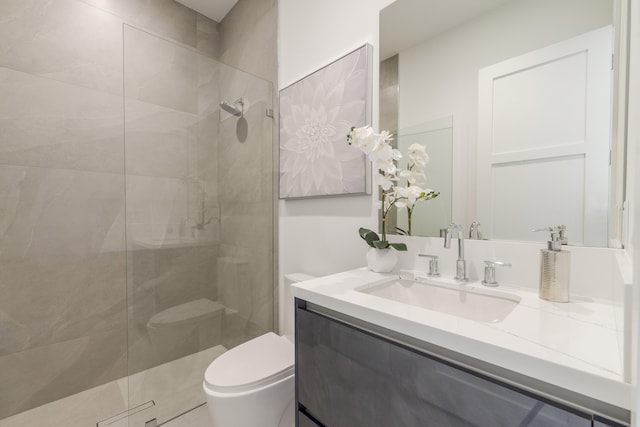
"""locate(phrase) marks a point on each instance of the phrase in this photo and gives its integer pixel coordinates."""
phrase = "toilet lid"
(192, 311)
(258, 362)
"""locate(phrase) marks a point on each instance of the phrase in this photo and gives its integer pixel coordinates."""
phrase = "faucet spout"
(475, 231)
(461, 264)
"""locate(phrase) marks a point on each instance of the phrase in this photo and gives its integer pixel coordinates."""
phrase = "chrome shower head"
(232, 108)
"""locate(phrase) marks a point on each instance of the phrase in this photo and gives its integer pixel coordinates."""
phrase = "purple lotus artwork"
(316, 114)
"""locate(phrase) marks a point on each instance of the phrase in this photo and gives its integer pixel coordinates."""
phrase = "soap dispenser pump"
(555, 265)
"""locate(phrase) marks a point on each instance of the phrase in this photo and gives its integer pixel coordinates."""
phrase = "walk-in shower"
(138, 230)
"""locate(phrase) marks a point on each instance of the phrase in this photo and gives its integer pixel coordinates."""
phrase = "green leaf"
(398, 246)
(381, 244)
(401, 232)
(368, 236)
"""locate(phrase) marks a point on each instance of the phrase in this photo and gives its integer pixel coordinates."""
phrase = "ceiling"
(214, 9)
(406, 23)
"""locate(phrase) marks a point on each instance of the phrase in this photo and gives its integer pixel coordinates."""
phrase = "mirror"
(429, 216)
(533, 118)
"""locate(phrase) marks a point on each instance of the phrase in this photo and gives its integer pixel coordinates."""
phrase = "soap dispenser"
(554, 268)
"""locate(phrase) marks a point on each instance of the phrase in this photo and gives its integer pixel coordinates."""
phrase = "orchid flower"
(384, 158)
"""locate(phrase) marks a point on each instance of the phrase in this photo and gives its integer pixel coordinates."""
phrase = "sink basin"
(473, 304)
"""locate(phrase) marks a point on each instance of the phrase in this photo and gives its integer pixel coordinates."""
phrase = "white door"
(544, 141)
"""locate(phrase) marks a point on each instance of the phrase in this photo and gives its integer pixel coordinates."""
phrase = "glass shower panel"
(199, 218)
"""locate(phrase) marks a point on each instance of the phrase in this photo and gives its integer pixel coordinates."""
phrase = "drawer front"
(304, 421)
(602, 422)
(347, 377)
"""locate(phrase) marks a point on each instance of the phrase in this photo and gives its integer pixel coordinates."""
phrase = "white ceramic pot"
(382, 260)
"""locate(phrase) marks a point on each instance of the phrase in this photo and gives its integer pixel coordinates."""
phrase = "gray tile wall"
(171, 133)
(63, 314)
(249, 38)
(248, 41)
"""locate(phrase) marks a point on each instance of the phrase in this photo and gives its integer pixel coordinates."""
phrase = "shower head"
(232, 108)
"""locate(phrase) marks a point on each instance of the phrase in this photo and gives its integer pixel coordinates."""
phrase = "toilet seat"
(254, 364)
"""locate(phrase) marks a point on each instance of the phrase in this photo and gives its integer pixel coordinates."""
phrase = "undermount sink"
(472, 304)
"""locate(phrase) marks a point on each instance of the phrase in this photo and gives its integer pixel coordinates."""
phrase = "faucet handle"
(562, 236)
(490, 272)
(433, 265)
(490, 263)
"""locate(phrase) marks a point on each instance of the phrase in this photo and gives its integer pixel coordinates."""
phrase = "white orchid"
(385, 181)
(364, 138)
(384, 157)
(411, 194)
(418, 159)
(377, 146)
(412, 175)
(418, 155)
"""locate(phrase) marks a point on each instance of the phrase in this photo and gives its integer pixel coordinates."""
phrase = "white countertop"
(575, 345)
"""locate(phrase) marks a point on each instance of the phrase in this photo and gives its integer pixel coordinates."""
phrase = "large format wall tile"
(65, 40)
(208, 85)
(257, 309)
(241, 163)
(50, 124)
(208, 36)
(167, 18)
(235, 83)
(157, 139)
(44, 374)
(62, 255)
(160, 72)
(247, 224)
(203, 156)
(60, 298)
(154, 203)
(79, 410)
(52, 212)
(248, 35)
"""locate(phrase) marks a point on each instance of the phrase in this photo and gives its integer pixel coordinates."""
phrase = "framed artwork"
(316, 114)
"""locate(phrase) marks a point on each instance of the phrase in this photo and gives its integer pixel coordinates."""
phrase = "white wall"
(633, 163)
(320, 236)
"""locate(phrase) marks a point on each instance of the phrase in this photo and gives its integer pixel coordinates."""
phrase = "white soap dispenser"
(555, 265)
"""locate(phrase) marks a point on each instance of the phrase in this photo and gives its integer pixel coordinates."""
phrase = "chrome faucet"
(461, 264)
(475, 231)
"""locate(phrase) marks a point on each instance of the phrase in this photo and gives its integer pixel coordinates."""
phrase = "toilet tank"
(287, 320)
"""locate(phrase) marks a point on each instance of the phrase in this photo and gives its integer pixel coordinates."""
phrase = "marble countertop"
(575, 346)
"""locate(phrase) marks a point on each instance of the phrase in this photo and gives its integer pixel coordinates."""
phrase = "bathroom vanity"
(367, 357)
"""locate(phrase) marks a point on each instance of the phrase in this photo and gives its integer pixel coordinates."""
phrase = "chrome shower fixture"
(232, 108)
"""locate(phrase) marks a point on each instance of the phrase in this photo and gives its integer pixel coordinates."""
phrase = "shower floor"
(198, 417)
(175, 387)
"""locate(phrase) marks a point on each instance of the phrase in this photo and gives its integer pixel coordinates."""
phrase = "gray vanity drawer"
(348, 377)
(601, 422)
(304, 421)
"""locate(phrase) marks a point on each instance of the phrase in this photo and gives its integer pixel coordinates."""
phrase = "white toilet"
(253, 384)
